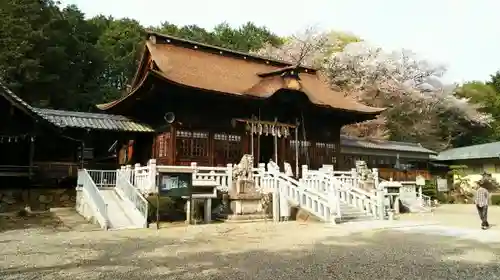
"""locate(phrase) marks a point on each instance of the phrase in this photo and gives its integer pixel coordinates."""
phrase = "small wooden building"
(45, 147)
(212, 105)
(401, 161)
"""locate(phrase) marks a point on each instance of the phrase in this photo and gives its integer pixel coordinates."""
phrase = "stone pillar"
(420, 196)
(132, 174)
(276, 202)
(188, 211)
(127, 170)
(208, 210)
(229, 174)
(354, 175)
(152, 188)
(305, 169)
(380, 195)
(396, 204)
(283, 204)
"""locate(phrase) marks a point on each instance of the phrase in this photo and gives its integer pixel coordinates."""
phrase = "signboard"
(442, 185)
(88, 153)
(420, 180)
(175, 184)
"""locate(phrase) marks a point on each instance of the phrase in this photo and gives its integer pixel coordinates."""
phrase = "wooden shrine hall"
(45, 147)
(212, 105)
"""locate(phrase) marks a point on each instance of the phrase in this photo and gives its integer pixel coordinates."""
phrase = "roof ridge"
(78, 113)
(473, 146)
(383, 140)
(283, 63)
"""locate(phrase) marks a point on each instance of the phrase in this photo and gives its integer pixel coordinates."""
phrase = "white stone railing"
(221, 175)
(144, 177)
(94, 198)
(102, 178)
(288, 190)
(132, 196)
(344, 185)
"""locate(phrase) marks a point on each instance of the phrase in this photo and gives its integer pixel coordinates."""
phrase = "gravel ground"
(243, 251)
(456, 215)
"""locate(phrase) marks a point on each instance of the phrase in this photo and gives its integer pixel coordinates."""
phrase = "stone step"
(246, 217)
(344, 219)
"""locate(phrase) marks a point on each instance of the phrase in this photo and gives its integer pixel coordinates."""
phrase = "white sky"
(462, 34)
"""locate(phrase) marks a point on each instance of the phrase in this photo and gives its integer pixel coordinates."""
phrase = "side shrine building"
(212, 105)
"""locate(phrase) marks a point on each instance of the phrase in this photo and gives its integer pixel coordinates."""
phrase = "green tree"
(120, 45)
(54, 57)
(487, 99)
(47, 54)
(245, 38)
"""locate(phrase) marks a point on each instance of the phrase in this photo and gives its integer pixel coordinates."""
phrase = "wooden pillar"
(172, 149)
(31, 155)
(337, 152)
(211, 148)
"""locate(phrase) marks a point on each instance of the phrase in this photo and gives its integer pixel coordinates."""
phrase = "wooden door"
(162, 148)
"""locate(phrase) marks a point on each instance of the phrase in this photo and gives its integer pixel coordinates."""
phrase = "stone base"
(301, 215)
(247, 218)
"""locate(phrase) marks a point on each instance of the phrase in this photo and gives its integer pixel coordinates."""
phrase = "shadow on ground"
(381, 255)
(14, 221)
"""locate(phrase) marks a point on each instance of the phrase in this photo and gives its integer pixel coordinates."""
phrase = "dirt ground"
(456, 215)
(287, 250)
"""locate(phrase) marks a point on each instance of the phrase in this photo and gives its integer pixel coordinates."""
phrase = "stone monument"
(366, 181)
(246, 201)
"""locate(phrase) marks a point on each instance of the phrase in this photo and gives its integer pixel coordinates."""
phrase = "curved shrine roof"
(224, 71)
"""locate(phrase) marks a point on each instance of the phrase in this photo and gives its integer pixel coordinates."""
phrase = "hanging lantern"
(278, 131)
(248, 127)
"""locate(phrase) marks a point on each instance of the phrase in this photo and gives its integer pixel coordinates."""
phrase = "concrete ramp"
(117, 213)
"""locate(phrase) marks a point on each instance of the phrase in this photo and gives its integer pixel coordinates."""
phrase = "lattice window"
(324, 153)
(228, 147)
(304, 147)
(349, 161)
(192, 144)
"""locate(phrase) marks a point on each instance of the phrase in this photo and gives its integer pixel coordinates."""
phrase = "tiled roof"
(383, 145)
(217, 70)
(62, 119)
(490, 150)
(91, 120)
(16, 100)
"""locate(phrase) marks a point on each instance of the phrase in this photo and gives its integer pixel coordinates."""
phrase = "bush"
(22, 213)
(495, 199)
(430, 189)
(166, 205)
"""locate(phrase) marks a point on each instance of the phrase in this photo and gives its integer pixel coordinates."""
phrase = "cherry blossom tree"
(420, 107)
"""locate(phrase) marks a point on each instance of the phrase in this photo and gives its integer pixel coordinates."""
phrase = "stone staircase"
(350, 213)
(320, 195)
(108, 199)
